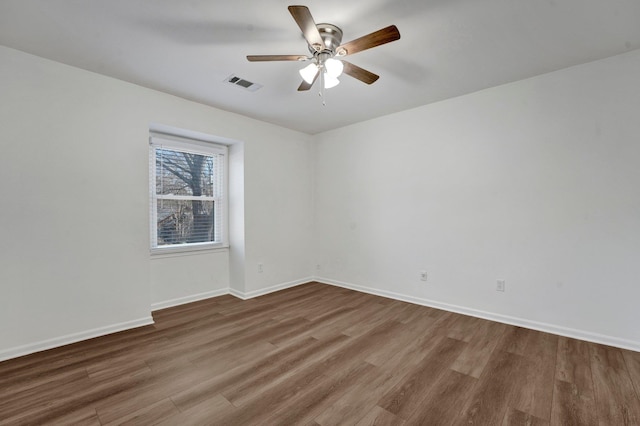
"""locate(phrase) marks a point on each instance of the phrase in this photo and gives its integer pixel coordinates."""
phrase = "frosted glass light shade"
(330, 81)
(309, 72)
(334, 67)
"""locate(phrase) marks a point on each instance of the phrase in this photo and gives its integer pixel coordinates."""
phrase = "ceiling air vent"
(242, 83)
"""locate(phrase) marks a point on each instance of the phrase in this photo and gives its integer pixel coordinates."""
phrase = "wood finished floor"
(322, 355)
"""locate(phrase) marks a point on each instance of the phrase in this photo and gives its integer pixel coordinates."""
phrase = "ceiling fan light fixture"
(330, 81)
(324, 42)
(334, 67)
(309, 72)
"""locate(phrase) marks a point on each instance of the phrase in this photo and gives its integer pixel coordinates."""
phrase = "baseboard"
(237, 293)
(520, 322)
(72, 338)
(263, 291)
(188, 299)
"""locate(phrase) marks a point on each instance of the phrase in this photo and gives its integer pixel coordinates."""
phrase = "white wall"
(237, 259)
(535, 182)
(178, 278)
(278, 180)
(74, 218)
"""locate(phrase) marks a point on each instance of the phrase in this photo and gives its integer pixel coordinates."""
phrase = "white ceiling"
(448, 48)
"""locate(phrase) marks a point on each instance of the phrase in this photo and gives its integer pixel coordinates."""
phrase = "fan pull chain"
(321, 93)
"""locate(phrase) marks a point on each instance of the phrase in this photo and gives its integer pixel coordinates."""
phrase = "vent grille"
(242, 83)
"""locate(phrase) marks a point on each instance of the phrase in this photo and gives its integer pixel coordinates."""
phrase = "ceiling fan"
(324, 42)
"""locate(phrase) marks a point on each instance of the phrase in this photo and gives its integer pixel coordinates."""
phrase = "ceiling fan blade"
(377, 38)
(306, 86)
(261, 58)
(305, 21)
(359, 73)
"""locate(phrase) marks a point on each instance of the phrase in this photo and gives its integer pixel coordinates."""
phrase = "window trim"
(192, 146)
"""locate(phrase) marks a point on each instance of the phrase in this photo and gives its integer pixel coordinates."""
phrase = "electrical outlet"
(260, 269)
(423, 275)
(500, 285)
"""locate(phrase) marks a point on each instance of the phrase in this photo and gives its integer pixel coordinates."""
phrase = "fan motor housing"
(332, 37)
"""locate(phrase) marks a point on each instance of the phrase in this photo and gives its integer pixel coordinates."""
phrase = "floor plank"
(241, 391)
(632, 362)
(321, 395)
(481, 345)
(149, 415)
(534, 395)
(404, 399)
(573, 395)
(616, 400)
(442, 404)
(571, 406)
(518, 418)
(489, 401)
(379, 417)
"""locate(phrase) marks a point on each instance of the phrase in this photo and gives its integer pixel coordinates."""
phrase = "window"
(188, 194)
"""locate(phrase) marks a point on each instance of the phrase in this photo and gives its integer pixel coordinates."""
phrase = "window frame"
(192, 146)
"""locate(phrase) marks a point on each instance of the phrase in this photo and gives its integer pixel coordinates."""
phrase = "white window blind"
(187, 193)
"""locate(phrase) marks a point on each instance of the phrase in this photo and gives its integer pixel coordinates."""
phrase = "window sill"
(161, 253)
